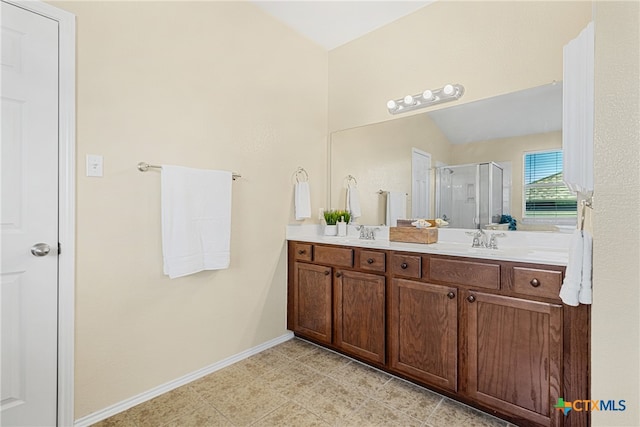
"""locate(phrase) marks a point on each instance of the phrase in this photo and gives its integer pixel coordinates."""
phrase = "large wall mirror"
(499, 129)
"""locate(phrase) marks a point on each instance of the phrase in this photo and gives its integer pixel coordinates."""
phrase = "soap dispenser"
(342, 227)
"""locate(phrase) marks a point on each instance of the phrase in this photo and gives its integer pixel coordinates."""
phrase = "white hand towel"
(353, 202)
(573, 276)
(302, 200)
(196, 220)
(396, 207)
(587, 256)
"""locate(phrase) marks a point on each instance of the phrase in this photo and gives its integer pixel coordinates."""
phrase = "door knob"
(40, 249)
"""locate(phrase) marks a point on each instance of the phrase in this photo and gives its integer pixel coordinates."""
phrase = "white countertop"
(550, 248)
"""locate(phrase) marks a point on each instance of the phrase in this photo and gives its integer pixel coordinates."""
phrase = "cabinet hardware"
(451, 295)
(404, 265)
(534, 282)
(302, 251)
(370, 260)
(471, 298)
(338, 274)
(326, 273)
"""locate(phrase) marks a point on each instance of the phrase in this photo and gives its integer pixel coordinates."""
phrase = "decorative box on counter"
(413, 235)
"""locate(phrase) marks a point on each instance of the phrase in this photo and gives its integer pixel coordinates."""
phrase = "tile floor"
(299, 384)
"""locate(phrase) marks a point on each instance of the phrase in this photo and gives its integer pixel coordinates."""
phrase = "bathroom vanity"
(487, 329)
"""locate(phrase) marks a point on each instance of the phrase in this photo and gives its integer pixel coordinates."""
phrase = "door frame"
(66, 199)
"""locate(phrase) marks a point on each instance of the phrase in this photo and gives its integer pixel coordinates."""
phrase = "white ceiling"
(333, 23)
(526, 112)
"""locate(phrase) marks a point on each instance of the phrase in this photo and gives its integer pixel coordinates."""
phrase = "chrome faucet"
(367, 233)
(483, 240)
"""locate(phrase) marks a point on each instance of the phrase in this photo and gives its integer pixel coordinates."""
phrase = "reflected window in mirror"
(546, 197)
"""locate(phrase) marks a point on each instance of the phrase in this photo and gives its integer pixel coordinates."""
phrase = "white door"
(420, 183)
(29, 218)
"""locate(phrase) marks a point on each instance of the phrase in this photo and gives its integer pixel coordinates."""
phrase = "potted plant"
(331, 218)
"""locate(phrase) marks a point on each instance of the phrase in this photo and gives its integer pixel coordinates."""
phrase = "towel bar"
(144, 166)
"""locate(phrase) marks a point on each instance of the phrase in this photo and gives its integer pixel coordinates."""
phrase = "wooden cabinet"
(514, 355)
(359, 301)
(423, 332)
(490, 333)
(333, 304)
(312, 311)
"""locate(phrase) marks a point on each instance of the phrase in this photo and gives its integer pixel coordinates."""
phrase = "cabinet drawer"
(537, 282)
(341, 257)
(406, 265)
(476, 274)
(372, 261)
(303, 251)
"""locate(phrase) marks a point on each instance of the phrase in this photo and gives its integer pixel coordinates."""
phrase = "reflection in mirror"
(498, 129)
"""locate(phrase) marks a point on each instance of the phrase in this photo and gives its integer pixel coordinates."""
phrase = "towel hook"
(585, 203)
(301, 172)
(351, 178)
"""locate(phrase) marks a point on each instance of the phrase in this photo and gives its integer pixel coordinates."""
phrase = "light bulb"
(391, 105)
(428, 95)
(448, 90)
(408, 100)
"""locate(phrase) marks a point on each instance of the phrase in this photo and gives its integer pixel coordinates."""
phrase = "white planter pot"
(330, 230)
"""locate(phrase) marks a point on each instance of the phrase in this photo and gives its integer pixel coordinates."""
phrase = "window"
(545, 194)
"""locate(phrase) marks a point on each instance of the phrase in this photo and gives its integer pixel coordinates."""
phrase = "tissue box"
(413, 235)
(407, 222)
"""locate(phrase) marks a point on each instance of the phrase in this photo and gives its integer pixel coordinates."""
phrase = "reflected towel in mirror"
(353, 202)
(396, 207)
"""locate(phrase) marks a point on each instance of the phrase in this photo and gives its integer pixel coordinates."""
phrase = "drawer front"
(341, 257)
(476, 274)
(406, 265)
(537, 282)
(372, 261)
(303, 251)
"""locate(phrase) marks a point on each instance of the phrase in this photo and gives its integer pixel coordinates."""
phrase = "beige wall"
(507, 150)
(489, 47)
(379, 157)
(199, 84)
(616, 220)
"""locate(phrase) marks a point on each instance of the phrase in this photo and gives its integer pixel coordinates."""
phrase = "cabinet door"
(515, 355)
(359, 314)
(312, 301)
(424, 332)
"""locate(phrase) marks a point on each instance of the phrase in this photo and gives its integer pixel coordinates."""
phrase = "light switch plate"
(94, 165)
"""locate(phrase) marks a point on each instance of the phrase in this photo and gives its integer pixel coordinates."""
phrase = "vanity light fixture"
(426, 99)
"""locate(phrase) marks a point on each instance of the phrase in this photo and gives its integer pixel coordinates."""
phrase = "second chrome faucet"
(483, 240)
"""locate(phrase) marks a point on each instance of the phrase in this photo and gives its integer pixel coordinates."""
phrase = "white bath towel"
(396, 207)
(353, 202)
(576, 287)
(196, 220)
(302, 200)
(587, 271)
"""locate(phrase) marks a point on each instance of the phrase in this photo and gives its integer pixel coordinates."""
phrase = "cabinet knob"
(471, 298)
(451, 295)
(302, 252)
(534, 282)
(327, 272)
(404, 266)
(370, 261)
(338, 274)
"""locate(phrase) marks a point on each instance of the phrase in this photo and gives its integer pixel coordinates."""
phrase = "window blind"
(546, 195)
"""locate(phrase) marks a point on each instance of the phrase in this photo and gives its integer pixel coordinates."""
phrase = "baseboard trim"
(161, 389)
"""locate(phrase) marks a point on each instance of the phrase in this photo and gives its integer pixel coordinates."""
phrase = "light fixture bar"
(425, 99)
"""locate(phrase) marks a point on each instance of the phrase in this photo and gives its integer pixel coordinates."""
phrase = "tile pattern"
(299, 384)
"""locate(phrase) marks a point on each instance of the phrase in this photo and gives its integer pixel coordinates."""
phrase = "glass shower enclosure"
(469, 196)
